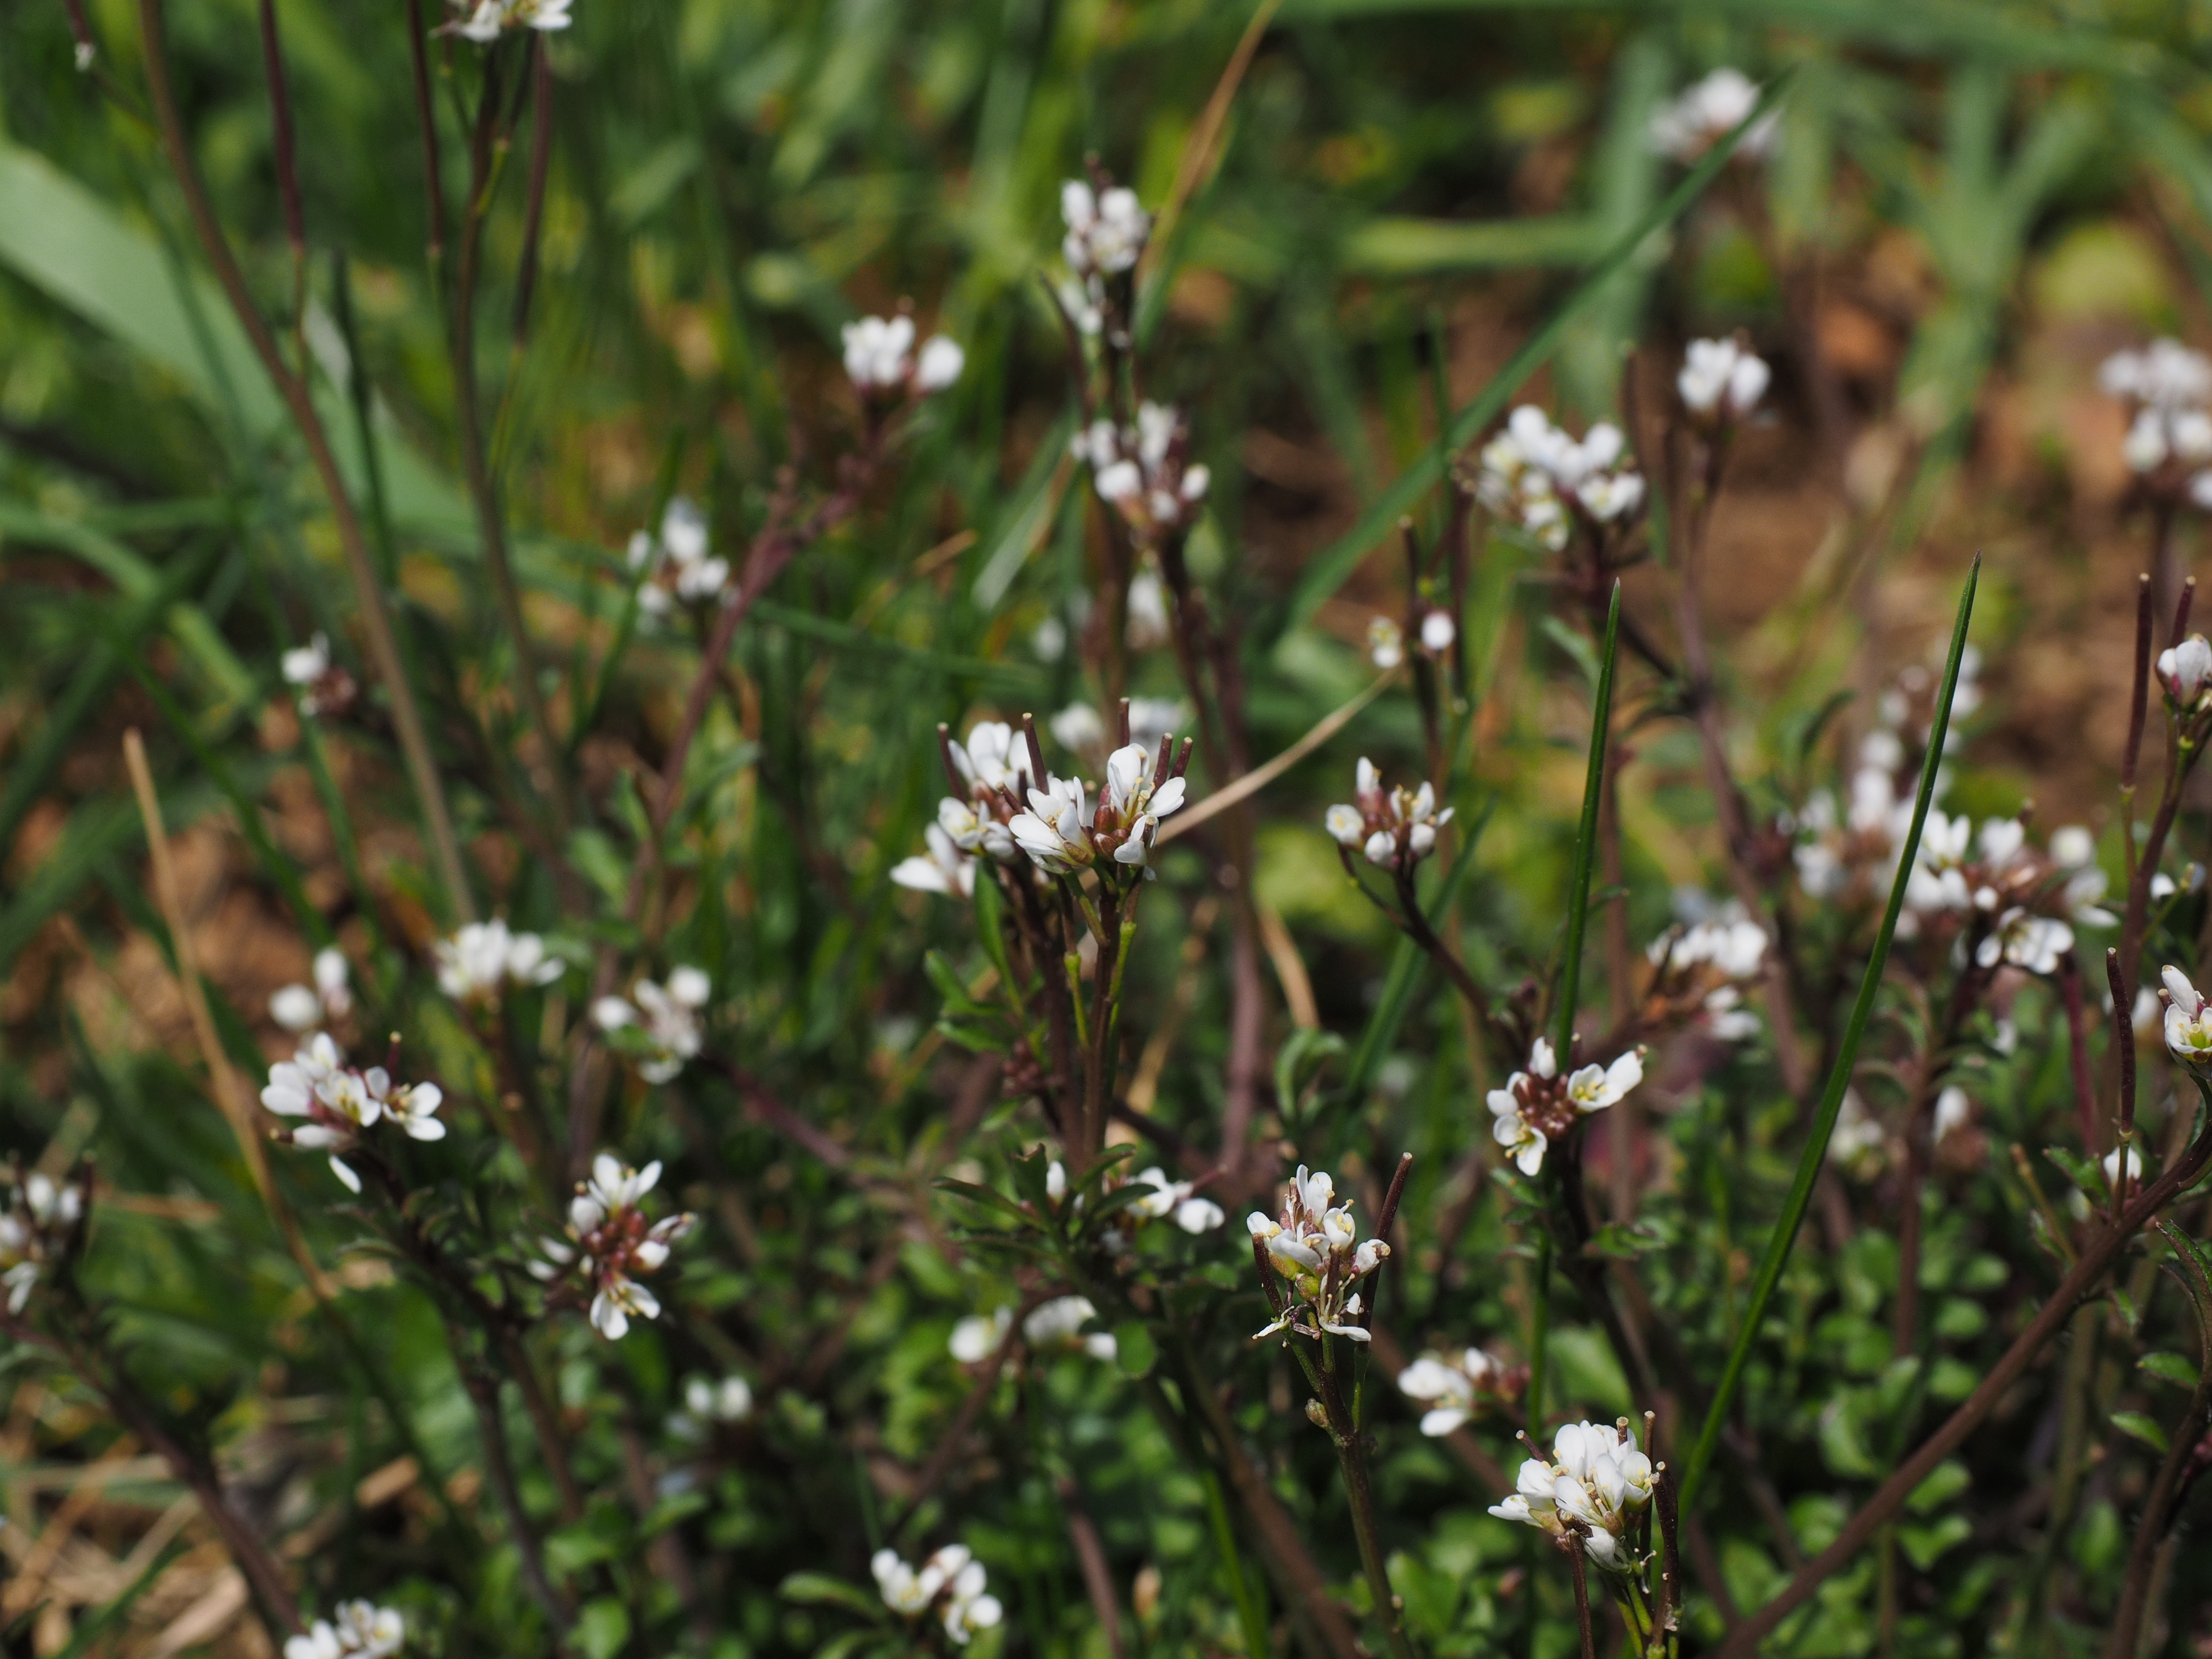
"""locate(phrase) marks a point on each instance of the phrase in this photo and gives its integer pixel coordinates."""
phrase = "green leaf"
(2087, 1175)
(1944, 1482)
(987, 1197)
(1924, 1546)
(601, 1628)
(1571, 958)
(2139, 1427)
(1135, 1351)
(2172, 1367)
(1839, 1077)
(819, 1589)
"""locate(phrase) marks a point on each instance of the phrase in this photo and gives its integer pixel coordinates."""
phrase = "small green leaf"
(1135, 1351)
(2171, 1366)
(602, 1629)
(2082, 1172)
(1944, 1482)
(2137, 1425)
(987, 1197)
(819, 1589)
(1924, 1545)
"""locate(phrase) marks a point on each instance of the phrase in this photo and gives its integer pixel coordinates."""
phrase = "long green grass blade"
(1831, 1099)
(1334, 564)
(1570, 965)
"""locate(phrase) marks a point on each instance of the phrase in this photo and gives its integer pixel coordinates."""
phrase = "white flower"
(1386, 645)
(1597, 1477)
(1707, 112)
(1530, 470)
(1396, 829)
(1454, 1383)
(2166, 374)
(2188, 1023)
(1175, 1198)
(1953, 1112)
(878, 352)
(1536, 1107)
(729, 1400)
(296, 1008)
(484, 959)
(1106, 230)
(978, 1336)
(666, 1021)
(2111, 1166)
(1437, 632)
(361, 1631)
(677, 563)
(610, 1243)
(1721, 381)
(939, 364)
(1078, 726)
(1142, 473)
(2038, 944)
(943, 869)
(303, 665)
(1060, 1322)
(2185, 669)
(39, 1218)
(1314, 1249)
(952, 1575)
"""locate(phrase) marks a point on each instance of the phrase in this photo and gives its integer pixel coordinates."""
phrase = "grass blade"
(1570, 967)
(1334, 564)
(1831, 1099)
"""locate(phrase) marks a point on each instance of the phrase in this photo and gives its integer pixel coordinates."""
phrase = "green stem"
(1839, 1077)
(1540, 1320)
(1570, 967)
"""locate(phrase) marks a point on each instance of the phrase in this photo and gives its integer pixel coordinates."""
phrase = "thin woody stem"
(1581, 1575)
(383, 646)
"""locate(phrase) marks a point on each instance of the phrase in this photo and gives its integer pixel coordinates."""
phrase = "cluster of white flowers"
(952, 1580)
(2185, 672)
(321, 686)
(610, 1243)
(1537, 1106)
(489, 18)
(341, 1103)
(301, 1008)
(993, 768)
(39, 1218)
(1996, 874)
(1395, 828)
(2169, 443)
(677, 564)
(1456, 1385)
(485, 957)
(1708, 112)
(1534, 474)
(1728, 947)
(1596, 1481)
(879, 355)
(361, 1630)
(1140, 470)
(1315, 1247)
(1192, 1212)
(1063, 832)
(708, 1403)
(1860, 842)
(661, 1025)
(1106, 233)
(1721, 380)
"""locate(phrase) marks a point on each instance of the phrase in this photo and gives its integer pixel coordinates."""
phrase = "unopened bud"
(1316, 1414)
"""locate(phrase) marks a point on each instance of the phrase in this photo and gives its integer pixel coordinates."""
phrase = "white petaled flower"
(1535, 475)
(1720, 380)
(303, 665)
(1143, 471)
(2022, 939)
(2185, 671)
(1314, 1246)
(880, 357)
(38, 1222)
(1395, 828)
(1106, 230)
(1953, 1112)
(679, 564)
(1708, 112)
(2188, 1022)
(939, 364)
(1537, 1106)
(1058, 1324)
(361, 1630)
(1595, 1482)
(976, 1337)
(1437, 632)
(296, 1008)
(2135, 1160)
(1192, 1213)
(706, 1403)
(661, 1022)
(338, 1104)
(951, 1580)
(943, 869)
(610, 1244)
(486, 958)
(1081, 727)
(2165, 375)
(1055, 832)
(1452, 1385)
(1386, 644)
(1140, 791)
(484, 21)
